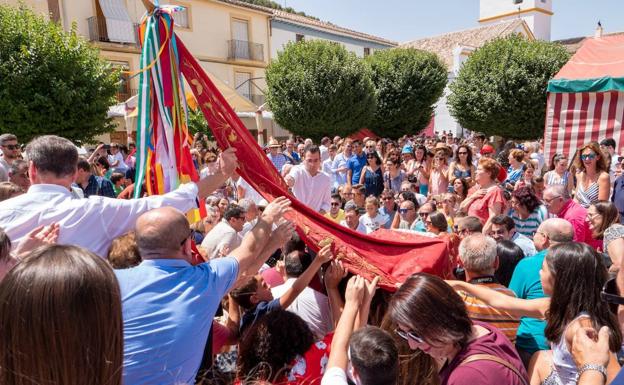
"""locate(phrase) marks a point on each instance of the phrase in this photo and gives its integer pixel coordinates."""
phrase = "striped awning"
(573, 119)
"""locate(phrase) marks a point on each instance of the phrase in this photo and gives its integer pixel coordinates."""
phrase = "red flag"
(391, 255)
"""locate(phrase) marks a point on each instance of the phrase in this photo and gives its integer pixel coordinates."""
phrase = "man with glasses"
(559, 203)
(467, 226)
(409, 216)
(525, 282)
(225, 237)
(336, 213)
(10, 153)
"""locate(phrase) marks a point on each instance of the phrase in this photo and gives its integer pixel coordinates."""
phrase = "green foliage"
(274, 5)
(317, 88)
(408, 83)
(197, 123)
(51, 81)
(501, 88)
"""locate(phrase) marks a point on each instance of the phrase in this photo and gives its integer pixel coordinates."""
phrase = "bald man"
(168, 304)
(526, 283)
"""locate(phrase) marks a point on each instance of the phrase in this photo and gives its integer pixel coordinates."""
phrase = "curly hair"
(268, 348)
(490, 166)
(526, 197)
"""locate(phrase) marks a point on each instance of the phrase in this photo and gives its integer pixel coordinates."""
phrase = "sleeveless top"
(564, 369)
(589, 196)
(457, 173)
(373, 182)
(552, 178)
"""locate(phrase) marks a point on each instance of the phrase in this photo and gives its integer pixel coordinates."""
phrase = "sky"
(405, 20)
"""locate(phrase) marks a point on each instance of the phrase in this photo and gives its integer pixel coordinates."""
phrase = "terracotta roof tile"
(443, 45)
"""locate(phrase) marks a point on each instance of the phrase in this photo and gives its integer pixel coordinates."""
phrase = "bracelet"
(598, 368)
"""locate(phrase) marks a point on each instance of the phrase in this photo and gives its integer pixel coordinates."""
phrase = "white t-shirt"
(360, 229)
(313, 191)
(121, 166)
(372, 224)
(334, 376)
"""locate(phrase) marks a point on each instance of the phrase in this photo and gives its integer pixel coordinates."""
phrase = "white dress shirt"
(220, 236)
(313, 191)
(311, 305)
(91, 223)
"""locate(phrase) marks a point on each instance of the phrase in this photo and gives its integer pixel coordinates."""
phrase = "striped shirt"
(529, 225)
(552, 178)
(479, 311)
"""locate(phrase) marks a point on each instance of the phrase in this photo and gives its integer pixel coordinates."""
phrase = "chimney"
(598, 33)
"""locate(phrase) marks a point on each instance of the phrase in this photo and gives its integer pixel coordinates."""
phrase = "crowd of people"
(97, 287)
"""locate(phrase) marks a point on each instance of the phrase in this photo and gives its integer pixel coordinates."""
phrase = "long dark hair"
(270, 345)
(60, 316)
(579, 274)
(609, 214)
(468, 157)
(509, 254)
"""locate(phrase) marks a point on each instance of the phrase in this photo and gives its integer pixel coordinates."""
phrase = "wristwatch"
(586, 367)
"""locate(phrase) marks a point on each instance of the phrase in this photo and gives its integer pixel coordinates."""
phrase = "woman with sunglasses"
(572, 275)
(432, 317)
(592, 178)
(559, 173)
(462, 166)
(372, 175)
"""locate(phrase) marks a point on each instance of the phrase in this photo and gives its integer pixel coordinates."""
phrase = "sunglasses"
(409, 335)
(588, 157)
(403, 211)
(12, 146)
(423, 215)
(335, 204)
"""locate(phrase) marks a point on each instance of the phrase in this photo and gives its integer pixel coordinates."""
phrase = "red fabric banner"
(391, 255)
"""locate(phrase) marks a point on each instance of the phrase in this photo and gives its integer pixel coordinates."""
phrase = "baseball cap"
(487, 149)
(407, 150)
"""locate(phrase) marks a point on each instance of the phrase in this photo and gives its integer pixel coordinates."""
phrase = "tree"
(197, 123)
(51, 81)
(317, 88)
(408, 83)
(501, 88)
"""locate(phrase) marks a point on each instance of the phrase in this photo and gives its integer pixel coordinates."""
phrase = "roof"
(291, 17)
(443, 45)
(597, 66)
(574, 43)
(310, 22)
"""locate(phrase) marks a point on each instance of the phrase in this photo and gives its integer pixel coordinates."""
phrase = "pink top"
(439, 184)
(484, 372)
(576, 214)
(481, 207)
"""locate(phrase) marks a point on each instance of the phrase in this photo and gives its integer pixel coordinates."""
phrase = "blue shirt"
(618, 196)
(99, 186)
(356, 164)
(525, 282)
(252, 315)
(168, 307)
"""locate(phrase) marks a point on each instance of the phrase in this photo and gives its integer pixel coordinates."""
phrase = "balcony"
(245, 50)
(258, 99)
(98, 32)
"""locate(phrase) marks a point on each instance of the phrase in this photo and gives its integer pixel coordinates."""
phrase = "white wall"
(538, 22)
(281, 37)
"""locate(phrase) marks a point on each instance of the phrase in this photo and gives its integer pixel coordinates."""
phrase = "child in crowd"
(373, 219)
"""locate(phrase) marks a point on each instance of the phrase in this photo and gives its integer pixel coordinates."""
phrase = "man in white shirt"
(251, 214)
(87, 222)
(503, 227)
(225, 236)
(324, 148)
(328, 165)
(309, 184)
(311, 305)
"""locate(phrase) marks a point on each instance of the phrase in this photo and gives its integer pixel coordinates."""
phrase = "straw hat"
(441, 146)
(273, 143)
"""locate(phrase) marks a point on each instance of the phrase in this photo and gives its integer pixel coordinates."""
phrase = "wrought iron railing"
(98, 31)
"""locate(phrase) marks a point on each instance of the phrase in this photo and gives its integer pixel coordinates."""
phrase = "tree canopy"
(51, 81)
(318, 88)
(408, 83)
(501, 88)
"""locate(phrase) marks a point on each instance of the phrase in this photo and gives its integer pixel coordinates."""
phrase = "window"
(299, 37)
(242, 80)
(181, 18)
(240, 30)
(124, 92)
(366, 51)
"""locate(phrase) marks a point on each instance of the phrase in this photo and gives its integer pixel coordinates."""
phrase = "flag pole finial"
(149, 6)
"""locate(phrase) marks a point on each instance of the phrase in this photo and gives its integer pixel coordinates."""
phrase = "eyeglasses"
(335, 204)
(407, 335)
(549, 201)
(12, 146)
(423, 215)
(403, 211)
(184, 240)
(588, 157)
